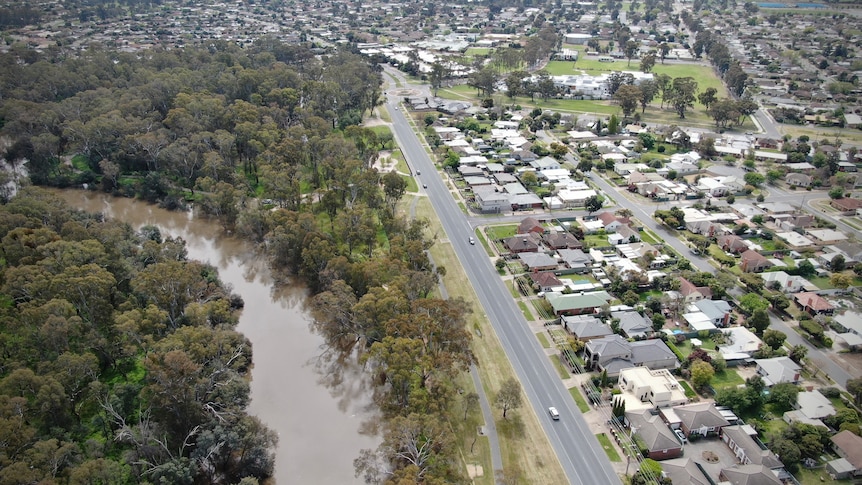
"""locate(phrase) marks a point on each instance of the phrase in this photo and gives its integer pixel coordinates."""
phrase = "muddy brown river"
(316, 413)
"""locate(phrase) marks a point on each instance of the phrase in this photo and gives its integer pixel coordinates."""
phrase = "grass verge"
(522, 441)
(609, 448)
(579, 399)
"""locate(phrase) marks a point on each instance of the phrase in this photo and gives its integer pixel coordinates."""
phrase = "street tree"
(593, 203)
(628, 97)
(707, 97)
(509, 396)
(630, 48)
(649, 90)
(647, 62)
(684, 90)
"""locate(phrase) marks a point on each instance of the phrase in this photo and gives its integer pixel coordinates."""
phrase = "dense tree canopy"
(110, 372)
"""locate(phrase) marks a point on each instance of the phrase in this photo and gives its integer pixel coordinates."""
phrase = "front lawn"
(496, 233)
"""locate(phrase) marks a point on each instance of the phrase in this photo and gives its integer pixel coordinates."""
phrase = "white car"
(555, 415)
(472, 241)
(679, 434)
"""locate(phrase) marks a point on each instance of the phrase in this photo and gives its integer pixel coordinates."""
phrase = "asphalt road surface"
(582, 457)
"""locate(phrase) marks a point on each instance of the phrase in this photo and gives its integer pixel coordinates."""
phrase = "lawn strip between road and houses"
(523, 442)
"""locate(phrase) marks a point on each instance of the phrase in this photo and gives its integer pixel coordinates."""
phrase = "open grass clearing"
(524, 446)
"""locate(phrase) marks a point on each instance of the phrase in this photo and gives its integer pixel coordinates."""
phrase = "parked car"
(679, 434)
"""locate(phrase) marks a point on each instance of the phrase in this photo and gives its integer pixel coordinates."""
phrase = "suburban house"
(546, 281)
(633, 324)
(740, 440)
(753, 262)
(643, 387)
(712, 186)
(700, 418)
(490, 201)
(575, 259)
(732, 243)
(693, 293)
(813, 303)
(777, 370)
(813, 405)
(661, 442)
(521, 244)
(749, 475)
(847, 205)
(530, 225)
(614, 353)
(684, 470)
(562, 240)
(785, 282)
(628, 234)
(577, 303)
(825, 236)
(848, 446)
(717, 311)
(610, 222)
(538, 261)
(585, 327)
(798, 179)
(741, 343)
(851, 252)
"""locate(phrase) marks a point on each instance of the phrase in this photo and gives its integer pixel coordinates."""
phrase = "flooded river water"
(317, 417)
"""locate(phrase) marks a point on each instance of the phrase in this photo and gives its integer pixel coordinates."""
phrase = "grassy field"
(543, 340)
(522, 440)
(501, 232)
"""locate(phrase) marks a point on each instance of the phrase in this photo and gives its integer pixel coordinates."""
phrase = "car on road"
(472, 241)
(424, 186)
(555, 415)
(695, 251)
(418, 172)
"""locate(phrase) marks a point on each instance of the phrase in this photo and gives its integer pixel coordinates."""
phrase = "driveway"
(711, 453)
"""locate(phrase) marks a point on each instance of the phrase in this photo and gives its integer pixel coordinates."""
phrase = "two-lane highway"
(582, 457)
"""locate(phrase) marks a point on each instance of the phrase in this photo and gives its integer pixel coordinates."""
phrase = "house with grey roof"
(661, 442)
(489, 201)
(537, 261)
(740, 440)
(563, 240)
(700, 418)
(633, 324)
(575, 259)
(585, 327)
(523, 243)
(684, 470)
(749, 475)
(813, 405)
(848, 446)
(717, 311)
(777, 370)
(614, 353)
(787, 283)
